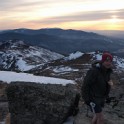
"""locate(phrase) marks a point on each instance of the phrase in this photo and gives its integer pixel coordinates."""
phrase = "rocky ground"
(111, 116)
(114, 112)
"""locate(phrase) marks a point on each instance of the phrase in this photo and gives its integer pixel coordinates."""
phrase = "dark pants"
(97, 105)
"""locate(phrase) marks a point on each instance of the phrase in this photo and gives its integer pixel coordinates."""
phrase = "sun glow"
(114, 23)
(114, 19)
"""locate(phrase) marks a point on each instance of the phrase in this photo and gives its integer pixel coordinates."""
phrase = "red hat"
(106, 56)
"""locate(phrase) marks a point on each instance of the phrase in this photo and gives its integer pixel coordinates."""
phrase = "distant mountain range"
(64, 41)
(111, 33)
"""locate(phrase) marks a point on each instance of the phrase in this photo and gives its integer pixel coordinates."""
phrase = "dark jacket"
(95, 86)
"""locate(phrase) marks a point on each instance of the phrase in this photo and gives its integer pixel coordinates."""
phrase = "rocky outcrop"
(3, 101)
(33, 103)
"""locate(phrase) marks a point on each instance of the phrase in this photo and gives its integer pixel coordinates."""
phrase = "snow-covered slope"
(16, 55)
(75, 65)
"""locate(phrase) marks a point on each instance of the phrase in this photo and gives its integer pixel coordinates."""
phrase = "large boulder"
(34, 103)
(3, 101)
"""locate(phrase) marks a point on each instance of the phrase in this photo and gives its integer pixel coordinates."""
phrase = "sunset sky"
(66, 14)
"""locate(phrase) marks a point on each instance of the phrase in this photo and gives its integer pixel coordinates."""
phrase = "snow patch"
(119, 62)
(64, 69)
(9, 76)
(21, 64)
(74, 55)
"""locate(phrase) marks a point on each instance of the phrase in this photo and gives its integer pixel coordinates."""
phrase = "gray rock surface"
(3, 101)
(32, 103)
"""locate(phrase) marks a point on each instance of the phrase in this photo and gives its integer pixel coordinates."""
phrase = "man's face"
(107, 64)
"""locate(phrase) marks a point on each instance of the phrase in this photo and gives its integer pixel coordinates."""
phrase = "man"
(96, 88)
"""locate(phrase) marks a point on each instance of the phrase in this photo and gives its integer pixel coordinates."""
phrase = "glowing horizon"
(71, 14)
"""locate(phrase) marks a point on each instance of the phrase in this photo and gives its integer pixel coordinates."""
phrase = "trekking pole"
(92, 106)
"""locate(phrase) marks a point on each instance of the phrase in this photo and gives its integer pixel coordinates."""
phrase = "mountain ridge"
(64, 41)
(18, 56)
